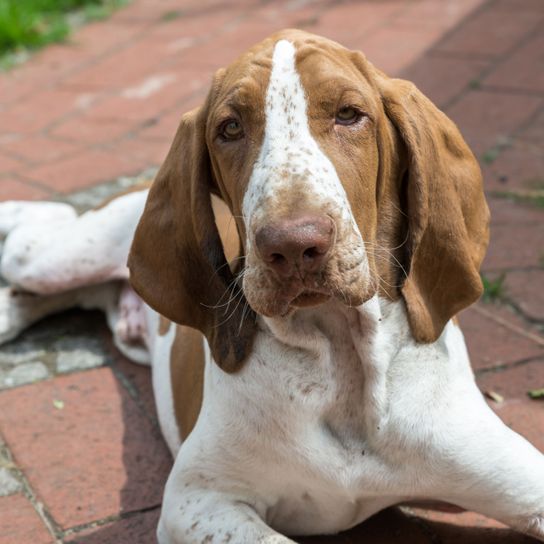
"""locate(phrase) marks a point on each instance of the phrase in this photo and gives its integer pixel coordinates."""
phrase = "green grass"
(31, 24)
(493, 288)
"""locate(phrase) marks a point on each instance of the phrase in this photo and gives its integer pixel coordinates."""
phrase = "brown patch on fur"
(187, 377)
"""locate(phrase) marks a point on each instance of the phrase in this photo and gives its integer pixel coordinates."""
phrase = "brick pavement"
(82, 459)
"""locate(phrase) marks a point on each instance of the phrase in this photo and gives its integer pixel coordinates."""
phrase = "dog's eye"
(347, 116)
(231, 130)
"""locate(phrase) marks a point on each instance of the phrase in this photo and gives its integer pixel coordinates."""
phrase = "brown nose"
(298, 243)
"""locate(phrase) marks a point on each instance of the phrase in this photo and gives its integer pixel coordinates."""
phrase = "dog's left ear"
(447, 215)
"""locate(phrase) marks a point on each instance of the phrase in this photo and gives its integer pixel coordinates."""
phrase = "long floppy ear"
(177, 263)
(447, 215)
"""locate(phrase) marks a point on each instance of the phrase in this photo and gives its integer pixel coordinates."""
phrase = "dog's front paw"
(12, 321)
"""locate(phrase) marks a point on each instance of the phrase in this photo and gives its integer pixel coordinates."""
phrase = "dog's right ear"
(177, 263)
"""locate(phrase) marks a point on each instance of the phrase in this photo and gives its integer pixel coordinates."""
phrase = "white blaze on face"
(290, 161)
(292, 175)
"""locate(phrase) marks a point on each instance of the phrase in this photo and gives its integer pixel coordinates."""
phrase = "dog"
(295, 272)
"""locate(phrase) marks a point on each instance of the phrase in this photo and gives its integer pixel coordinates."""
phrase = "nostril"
(311, 254)
(277, 258)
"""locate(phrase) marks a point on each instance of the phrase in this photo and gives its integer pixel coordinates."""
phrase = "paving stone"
(524, 289)
(505, 211)
(513, 247)
(39, 148)
(9, 165)
(524, 70)
(12, 188)
(84, 446)
(489, 119)
(20, 522)
(526, 417)
(393, 48)
(23, 373)
(519, 167)
(43, 109)
(515, 382)
(83, 170)
(88, 129)
(491, 344)
(64, 342)
(140, 528)
(98, 193)
(442, 78)
(9, 484)
(445, 14)
(489, 32)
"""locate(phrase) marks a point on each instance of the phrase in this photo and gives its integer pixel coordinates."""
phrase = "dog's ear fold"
(177, 263)
(447, 214)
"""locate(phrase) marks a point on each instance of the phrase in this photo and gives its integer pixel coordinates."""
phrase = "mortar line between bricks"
(133, 393)
(494, 63)
(507, 366)
(497, 89)
(52, 526)
(514, 328)
(108, 519)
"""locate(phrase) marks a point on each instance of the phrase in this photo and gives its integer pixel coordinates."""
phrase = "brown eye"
(231, 130)
(347, 116)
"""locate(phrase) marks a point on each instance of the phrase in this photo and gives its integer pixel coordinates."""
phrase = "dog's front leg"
(196, 515)
(496, 472)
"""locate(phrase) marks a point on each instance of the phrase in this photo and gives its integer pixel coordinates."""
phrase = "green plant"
(30, 24)
(493, 288)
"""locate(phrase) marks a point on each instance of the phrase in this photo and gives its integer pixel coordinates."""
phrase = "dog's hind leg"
(55, 260)
(59, 255)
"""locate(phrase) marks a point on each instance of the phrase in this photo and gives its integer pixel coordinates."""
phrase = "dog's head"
(342, 183)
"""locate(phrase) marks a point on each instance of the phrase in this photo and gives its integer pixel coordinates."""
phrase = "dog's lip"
(310, 297)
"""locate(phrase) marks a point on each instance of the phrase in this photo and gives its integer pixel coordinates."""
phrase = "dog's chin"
(282, 304)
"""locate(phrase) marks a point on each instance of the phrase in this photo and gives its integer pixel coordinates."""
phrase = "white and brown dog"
(320, 376)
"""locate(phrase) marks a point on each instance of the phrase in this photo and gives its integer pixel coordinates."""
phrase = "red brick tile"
(491, 344)
(513, 382)
(138, 375)
(124, 67)
(514, 246)
(446, 13)
(97, 38)
(390, 526)
(8, 164)
(38, 112)
(227, 46)
(517, 5)
(520, 166)
(461, 519)
(152, 152)
(15, 189)
(97, 456)
(507, 212)
(441, 78)
(88, 129)
(20, 523)
(524, 289)
(490, 32)
(349, 22)
(487, 119)
(393, 48)
(39, 148)
(524, 70)
(84, 169)
(526, 417)
(147, 98)
(136, 529)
